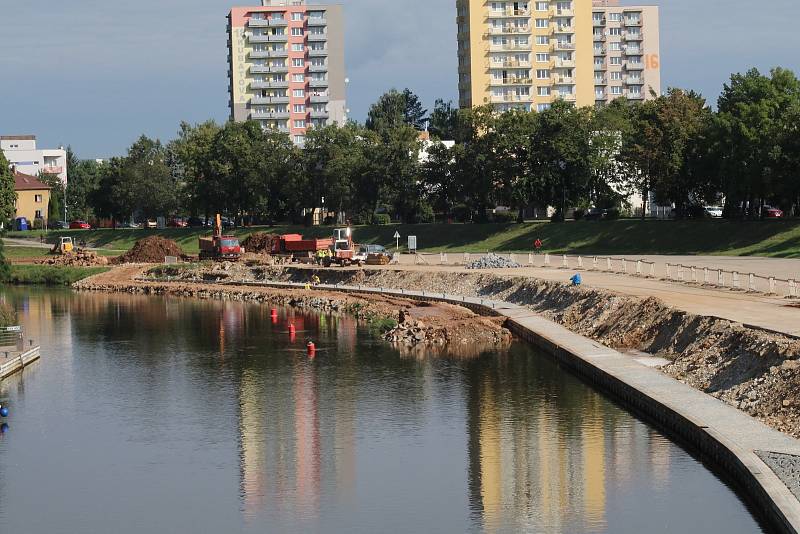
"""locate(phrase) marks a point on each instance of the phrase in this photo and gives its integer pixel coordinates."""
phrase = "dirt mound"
(259, 243)
(76, 258)
(151, 249)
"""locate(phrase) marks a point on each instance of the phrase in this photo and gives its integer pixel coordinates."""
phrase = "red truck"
(295, 245)
(220, 247)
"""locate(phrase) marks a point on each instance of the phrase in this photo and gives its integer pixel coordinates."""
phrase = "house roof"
(25, 182)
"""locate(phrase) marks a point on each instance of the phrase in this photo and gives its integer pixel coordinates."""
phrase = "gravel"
(493, 261)
(786, 466)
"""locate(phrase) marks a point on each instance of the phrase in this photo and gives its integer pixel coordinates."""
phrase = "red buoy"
(311, 348)
(273, 312)
(292, 329)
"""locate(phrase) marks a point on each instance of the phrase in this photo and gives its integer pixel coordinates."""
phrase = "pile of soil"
(76, 258)
(151, 249)
(259, 243)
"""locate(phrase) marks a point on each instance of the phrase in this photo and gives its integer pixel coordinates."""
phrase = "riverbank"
(50, 275)
(752, 370)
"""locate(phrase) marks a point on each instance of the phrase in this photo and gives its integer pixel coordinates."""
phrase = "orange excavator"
(220, 247)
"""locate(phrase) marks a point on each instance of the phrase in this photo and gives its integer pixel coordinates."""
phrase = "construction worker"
(320, 256)
(576, 279)
(537, 245)
(315, 280)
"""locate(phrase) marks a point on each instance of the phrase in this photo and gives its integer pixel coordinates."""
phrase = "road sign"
(397, 240)
(412, 243)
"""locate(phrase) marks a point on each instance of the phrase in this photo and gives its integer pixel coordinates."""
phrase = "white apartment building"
(21, 152)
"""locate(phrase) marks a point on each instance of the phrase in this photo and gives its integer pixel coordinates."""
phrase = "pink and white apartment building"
(286, 65)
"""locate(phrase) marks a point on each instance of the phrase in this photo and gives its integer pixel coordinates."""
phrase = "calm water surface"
(157, 415)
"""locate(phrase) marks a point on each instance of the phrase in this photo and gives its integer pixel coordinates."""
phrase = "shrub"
(504, 217)
(613, 214)
(461, 213)
(8, 317)
(425, 214)
(579, 214)
(381, 219)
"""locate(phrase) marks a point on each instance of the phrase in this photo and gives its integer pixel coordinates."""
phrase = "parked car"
(772, 213)
(196, 222)
(713, 211)
(58, 225)
(177, 223)
(129, 224)
(596, 214)
(151, 223)
(80, 225)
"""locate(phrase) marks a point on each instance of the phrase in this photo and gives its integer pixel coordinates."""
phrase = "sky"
(96, 74)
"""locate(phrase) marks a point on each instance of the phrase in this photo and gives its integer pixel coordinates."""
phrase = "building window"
(297, 16)
(297, 32)
(37, 199)
(542, 40)
(299, 108)
(298, 78)
(542, 6)
(616, 90)
(297, 47)
(542, 74)
(38, 214)
(297, 62)
(542, 107)
(300, 123)
(542, 23)
(298, 93)
(543, 91)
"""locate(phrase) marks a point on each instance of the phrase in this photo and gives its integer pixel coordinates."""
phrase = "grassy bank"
(49, 275)
(716, 237)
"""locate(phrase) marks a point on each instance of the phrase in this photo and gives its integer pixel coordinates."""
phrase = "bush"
(461, 213)
(381, 219)
(504, 217)
(613, 214)
(578, 214)
(425, 214)
(8, 317)
(4, 268)
(51, 275)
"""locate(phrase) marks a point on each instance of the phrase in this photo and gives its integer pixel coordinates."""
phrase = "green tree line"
(674, 149)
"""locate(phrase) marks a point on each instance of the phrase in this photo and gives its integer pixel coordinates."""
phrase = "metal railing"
(12, 339)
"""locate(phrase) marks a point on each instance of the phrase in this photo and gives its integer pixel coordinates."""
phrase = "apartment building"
(528, 54)
(22, 153)
(286, 65)
(626, 51)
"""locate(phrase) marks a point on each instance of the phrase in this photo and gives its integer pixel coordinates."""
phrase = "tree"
(396, 108)
(83, 181)
(8, 195)
(443, 120)
(440, 183)
(193, 152)
(55, 210)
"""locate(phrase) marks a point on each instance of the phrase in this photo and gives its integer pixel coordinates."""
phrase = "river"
(167, 415)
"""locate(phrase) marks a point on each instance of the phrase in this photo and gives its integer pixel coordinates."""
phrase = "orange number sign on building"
(651, 61)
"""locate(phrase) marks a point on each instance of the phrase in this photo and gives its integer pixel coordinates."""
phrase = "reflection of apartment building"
(286, 65)
(527, 54)
(21, 152)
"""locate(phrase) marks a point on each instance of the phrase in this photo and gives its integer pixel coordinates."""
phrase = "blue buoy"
(3, 428)
(4, 411)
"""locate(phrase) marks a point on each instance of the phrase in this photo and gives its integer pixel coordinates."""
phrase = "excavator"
(220, 247)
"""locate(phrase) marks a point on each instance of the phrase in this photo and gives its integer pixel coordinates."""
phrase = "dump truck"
(295, 248)
(220, 247)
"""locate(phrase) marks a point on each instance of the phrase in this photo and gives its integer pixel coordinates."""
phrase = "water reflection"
(252, 435)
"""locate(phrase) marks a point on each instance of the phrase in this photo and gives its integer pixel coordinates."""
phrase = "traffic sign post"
(412, 244)
(397, 240)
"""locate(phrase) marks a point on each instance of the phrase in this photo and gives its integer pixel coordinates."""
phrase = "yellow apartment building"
(33, 197)
(526, 55)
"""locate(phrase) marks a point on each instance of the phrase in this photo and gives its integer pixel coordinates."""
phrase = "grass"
(16, 253)
(712, 237)
(49, 275)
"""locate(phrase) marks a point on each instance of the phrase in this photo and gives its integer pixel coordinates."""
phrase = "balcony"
(597, 22)
(599, 37)
(631, 23)
(317, 21)
(560, 28)
(567, 97)
(499, 99)
(633, 80)
(256, 100)
(631, 36)
(269, 38)
(52, 169)
(562, 45)
(601, 51)
(509, 29)
(600, 96)
(629, 51)
(267, 54)
(317, 68)
(319, 114)
(630, 65)
(319, 99)
(270, 85)
(564, 80)
(263, 69)
(510, 81)
(317, 52)
(316, 37)
(269, 115)
(509, 13)
(318, 83)
(635, 96)
(267, 23)
(508, 64)
(601, 80)
(562, 12)
(564, 64)
(509, 47)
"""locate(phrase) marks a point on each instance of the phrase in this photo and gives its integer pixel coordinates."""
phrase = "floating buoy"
(292, 329)
(4, 411)
(311, 348)
(273, 312)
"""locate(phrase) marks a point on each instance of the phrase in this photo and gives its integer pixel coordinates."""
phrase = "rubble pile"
(414, 332)
(151, 249)
(259, 243)
(493, 261)
(76, 258)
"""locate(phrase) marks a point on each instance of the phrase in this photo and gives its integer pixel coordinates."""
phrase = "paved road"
(773, 313)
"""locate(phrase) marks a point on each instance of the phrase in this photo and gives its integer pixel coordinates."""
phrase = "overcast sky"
(95, 74)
